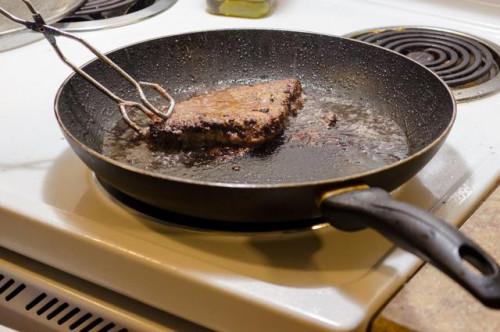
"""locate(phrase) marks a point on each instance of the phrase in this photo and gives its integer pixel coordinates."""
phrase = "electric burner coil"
(469, 65)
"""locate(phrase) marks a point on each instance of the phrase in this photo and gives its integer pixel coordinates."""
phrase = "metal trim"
(140, 15)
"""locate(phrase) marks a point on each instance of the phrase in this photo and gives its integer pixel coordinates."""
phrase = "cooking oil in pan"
(330, 137)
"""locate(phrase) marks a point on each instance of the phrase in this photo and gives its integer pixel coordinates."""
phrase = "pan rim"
(331, 181)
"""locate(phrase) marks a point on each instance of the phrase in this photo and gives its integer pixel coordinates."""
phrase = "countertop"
(432, 302)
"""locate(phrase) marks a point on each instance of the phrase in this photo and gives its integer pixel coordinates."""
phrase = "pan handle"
(420, 233)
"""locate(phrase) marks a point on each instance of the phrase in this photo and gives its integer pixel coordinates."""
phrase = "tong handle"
(50, 32)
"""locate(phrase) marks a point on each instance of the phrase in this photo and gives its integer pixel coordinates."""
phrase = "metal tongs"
(145, 106)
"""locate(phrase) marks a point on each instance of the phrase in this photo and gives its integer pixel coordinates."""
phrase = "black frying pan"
(393, 115)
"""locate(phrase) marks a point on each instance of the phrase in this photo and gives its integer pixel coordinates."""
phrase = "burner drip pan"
(469, 65)
(103, 14)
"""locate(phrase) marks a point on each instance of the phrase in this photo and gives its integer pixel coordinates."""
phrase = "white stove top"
(52, 210)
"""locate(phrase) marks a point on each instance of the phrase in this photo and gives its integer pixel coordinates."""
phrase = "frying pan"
(321, 172)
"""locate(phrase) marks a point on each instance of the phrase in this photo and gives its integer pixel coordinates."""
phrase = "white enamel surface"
(52, 210)
(478, 14)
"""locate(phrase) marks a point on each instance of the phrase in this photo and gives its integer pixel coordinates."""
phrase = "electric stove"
(65, 236)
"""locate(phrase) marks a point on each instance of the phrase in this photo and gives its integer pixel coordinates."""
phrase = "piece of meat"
(247, 115)
(330, 118)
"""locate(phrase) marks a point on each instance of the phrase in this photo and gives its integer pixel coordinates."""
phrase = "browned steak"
(247, 115)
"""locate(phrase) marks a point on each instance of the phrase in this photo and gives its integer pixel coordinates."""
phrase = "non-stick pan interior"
(387, 107)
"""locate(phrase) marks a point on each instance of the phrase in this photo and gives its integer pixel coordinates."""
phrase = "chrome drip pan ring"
(157, 7)
(468, 64)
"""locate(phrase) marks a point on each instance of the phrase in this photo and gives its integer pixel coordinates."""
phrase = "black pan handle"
(420, 233)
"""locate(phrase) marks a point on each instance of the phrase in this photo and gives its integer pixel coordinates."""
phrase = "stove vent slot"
(62, 313)
(5, 287)
(68, 316)
(35, 301)
(15, 292)
(57, 311)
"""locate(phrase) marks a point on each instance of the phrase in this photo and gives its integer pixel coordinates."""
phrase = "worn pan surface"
(393, 115)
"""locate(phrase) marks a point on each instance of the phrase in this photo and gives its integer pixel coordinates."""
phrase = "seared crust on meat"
(247, 115)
